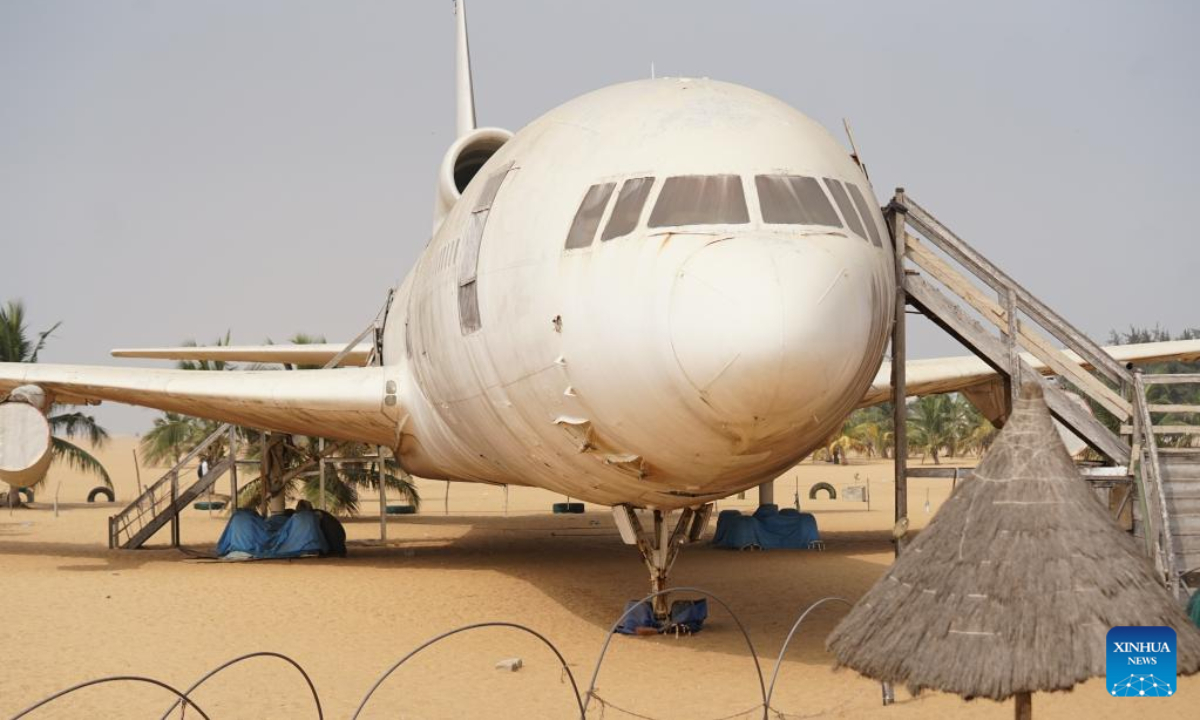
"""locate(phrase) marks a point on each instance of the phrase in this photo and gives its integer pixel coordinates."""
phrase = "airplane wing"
(954, 374)
(358, 404)
(315, 354)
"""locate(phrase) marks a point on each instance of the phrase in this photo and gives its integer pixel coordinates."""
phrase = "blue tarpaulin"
(687, 616)
(246, 532)
(769, 528)
(280, 536)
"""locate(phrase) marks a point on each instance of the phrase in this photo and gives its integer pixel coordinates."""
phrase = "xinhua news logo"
(1140, 662)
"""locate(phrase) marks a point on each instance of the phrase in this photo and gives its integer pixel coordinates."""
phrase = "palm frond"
(77, 424)
(41, 341)
(79, 459)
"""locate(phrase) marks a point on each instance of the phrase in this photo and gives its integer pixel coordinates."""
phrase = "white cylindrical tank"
(24, 444)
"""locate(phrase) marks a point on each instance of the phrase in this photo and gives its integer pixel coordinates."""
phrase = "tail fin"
(464, 91)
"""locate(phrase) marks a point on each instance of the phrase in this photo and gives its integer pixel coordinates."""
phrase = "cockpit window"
(867, 216)
(794, 200)
(587, 218)
(843, 202)
(628, 210)
(700, 200)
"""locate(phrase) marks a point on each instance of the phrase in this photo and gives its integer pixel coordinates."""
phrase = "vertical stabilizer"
(464, 89)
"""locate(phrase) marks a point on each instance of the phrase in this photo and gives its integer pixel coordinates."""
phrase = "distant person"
(203, 469)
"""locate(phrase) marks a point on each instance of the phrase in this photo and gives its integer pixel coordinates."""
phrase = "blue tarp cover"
(280, 536)
(768, 528)
(686, 615)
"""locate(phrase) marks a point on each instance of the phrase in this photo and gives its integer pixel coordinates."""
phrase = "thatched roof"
(1014, 583)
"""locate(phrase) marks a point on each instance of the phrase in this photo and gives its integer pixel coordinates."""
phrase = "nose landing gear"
(660, 544)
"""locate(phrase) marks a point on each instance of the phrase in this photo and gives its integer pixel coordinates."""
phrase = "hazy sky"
(174, 170)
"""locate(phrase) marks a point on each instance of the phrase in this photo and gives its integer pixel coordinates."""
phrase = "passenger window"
(628, 210)
(794, 200)
(587, 218)
(867, 216)
(843, 202)
(700, 200)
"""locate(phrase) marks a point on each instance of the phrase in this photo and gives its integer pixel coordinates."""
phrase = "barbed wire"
(606, 704)
(104, 680)
(204, 678)
(434, 640)
(763, 709)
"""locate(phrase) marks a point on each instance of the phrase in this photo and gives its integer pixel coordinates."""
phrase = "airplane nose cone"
(764, 329)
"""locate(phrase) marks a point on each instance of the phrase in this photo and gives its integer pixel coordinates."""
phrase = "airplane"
(654, 296)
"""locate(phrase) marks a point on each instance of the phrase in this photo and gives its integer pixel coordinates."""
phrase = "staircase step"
(1183, 506)
(1180, 468)
(184, 498)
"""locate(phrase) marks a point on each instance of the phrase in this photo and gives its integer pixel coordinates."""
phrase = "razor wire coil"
(582, 700)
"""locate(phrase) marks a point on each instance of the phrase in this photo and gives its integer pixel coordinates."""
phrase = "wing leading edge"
(954, 374)
(342, 403)
(314, 354)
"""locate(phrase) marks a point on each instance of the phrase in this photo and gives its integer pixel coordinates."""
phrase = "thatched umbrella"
(1014, 584)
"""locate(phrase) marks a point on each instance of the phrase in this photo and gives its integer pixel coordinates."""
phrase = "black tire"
(812, 493)
(401, 510)
(98, 491)
(26, 493)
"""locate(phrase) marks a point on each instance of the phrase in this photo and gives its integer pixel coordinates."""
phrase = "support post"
(233, 470)
(1009, 298)
(138, 472)
(896, 223)
(321, 472)
(1024, 706)
(174, 516)
(382, 496)
(264, 465)
(766, 493)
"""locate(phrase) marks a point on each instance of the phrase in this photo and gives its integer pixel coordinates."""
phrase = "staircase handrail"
(998, 280)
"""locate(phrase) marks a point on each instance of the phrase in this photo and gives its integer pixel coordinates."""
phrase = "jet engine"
(461, 163)
(25, 450)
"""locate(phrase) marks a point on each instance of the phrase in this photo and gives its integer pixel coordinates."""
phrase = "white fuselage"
(673, 363)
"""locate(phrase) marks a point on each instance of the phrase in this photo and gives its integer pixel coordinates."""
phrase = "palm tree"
(300, 458)
(16, 346)
(175, 435)
(342, 481)
(172, 437)
(933, 422)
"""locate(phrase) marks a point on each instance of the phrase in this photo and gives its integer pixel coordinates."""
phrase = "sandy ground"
(75, 610)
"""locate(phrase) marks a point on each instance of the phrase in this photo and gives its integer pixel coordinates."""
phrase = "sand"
(76, 610)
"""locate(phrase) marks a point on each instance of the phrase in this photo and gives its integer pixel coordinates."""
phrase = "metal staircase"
(1019, 336)
(164, 500)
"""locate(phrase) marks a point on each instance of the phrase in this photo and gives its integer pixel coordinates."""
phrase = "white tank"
(24, 444)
